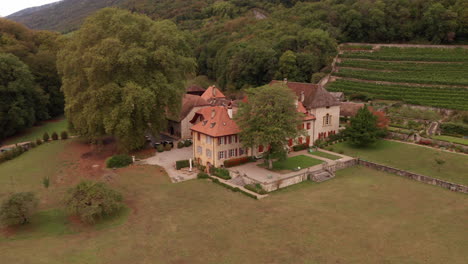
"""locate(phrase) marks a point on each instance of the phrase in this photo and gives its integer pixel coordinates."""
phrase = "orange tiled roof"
(216, 122)
(212, 92)
(301, 109)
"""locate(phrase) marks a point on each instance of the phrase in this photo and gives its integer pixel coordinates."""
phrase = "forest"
(236, 43)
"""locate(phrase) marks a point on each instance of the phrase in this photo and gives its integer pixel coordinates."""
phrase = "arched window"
(327, 119)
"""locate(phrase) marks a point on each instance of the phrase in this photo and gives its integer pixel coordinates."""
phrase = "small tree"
(363, 129)
(64, 135)
(54, 136)
(18, 208)
(92, 200)
(46, 137)
(46, 182)
(38, 141)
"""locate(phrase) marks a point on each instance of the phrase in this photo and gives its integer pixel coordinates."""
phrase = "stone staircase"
(433, 128)
(239, 181)
(322, 175)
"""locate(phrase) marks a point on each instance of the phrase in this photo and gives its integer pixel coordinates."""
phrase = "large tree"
(269, 118)
(121, 73)
(21, 101)
(363, 129)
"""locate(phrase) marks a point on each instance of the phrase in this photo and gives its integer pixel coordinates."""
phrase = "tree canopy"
(363, 129)
(21, 101)
(122, 73)
(269, 118)
(18, 208)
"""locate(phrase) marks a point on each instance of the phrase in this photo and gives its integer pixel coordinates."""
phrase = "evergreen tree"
(363, 129)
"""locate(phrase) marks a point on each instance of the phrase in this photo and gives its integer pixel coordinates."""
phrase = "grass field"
(297, 161)
(407, 65)
(36, 132)
(325, 155)
(451, 139)
(413, 158)
(389, 219)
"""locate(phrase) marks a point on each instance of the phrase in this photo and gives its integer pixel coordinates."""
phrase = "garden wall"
(415, 176)
(441, 143)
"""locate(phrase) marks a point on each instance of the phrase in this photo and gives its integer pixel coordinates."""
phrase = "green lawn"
(413, 158)
(57, 125)
(361, 216)
(296, 161)
(452, 139)
(325, 155)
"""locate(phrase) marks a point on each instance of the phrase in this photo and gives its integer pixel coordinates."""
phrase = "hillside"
(63, 16)
(422, 76)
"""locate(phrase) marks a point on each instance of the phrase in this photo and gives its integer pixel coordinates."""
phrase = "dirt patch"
(8, 231)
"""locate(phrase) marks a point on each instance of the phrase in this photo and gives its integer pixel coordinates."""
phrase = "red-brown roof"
(315, 96)
(307, 115)
(194, 88)
(189, 101)
(212, 93)
(216, 122)
(350, 108)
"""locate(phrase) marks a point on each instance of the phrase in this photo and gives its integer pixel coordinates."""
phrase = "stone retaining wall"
(415, 176)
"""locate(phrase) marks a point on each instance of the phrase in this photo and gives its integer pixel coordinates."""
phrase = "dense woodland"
(240, 43)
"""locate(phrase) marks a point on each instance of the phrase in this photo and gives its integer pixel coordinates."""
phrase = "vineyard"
(422, 76)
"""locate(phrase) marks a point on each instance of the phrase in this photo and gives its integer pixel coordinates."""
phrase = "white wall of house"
(185, 124)
(320, 113)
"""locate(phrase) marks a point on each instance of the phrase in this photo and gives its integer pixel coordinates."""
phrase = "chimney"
(285, 81)
(302, 96)
(229, 111)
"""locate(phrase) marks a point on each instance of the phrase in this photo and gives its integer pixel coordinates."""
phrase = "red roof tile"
(212, 92)
(216, 122)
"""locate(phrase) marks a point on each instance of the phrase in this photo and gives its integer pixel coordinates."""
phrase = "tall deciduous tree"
(121, 72)
(21, 101)
(287, 66)
(363, 129)
(268, 118)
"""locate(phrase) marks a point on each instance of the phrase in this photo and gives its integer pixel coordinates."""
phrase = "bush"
(54, 136)
(92, 200)
(235, 162)
(300, 147)
(257, 188)
(119, 161)
(180, 144)
(202, 175)
(167, 147)
(188, 143)
(182, 164)
(341, 152)
(221, 173)
(32, 144)
(425, 142)
(38, 141)
(18, 208)
(64, 135)
(159, 148)
(11, 154)
(234, 189)
(45, 137)
(316, 77)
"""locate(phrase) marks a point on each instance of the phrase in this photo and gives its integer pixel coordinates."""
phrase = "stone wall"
(446, 144)
(415, 176)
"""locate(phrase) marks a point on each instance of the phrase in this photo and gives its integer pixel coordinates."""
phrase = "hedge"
(11, 154)
(180, 144)
(454, 129)
(188, 143)
(119, 161)
(237, 161)
(234, 189)
(182, 164)
(257, 188)
(221, 173)
(202, 175)
(299, 147)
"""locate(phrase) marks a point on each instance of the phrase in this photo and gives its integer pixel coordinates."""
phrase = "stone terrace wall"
(415, 176)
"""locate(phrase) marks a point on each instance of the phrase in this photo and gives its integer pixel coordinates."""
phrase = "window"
(232, 153)
(208, 153)
(208, 140)
(199, 150)
(308, 126)
(260, 148)
(221, 155)
(220, 140)
(241, 151)
(230, 139)
(327, 120)
(198, 135)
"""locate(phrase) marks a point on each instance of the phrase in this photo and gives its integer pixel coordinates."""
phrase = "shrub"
(18, 208)
(159, 148)
(454, 129)
(32, 144)
(300, 147)
(182, 164)
(46, 182)
(180, 144)
(55, 136)
(11, 154)
(341, 152)
(167, 147)
(425, 142)
(257, 188)
(234, 189)
(64, 135)
(46, 137)
(221, 173)
(235, 162)
(92, 200)
(202, 175)
(119, 161)
(188, 143)
(38, 141)
(201, 167)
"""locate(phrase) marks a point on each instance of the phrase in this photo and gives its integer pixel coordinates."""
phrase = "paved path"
(167, 160)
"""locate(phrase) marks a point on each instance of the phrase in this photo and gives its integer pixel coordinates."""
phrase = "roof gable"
(212, 92)
(216, 122)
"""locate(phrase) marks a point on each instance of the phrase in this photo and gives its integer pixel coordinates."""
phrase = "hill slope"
(62, 16)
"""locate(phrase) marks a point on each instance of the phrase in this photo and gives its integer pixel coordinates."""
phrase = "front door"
(308, 140)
